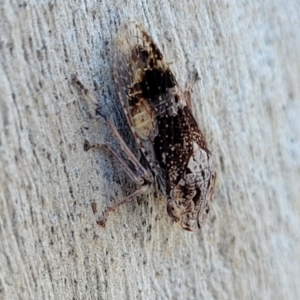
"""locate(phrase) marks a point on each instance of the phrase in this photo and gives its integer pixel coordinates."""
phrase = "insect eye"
(207, 209)
(172, 210)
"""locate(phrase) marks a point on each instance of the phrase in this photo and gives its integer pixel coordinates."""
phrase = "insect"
(166, 133)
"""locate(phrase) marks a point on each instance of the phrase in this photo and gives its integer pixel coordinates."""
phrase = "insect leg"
(128, 199)
(137, 179)
(188, 97)
(78, 84)
(145, 173)
(138, 166)
(188, 93)
(144, 177)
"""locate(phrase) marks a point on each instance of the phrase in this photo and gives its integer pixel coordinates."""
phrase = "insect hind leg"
(136, 178)
(127, 199)
(143, 178)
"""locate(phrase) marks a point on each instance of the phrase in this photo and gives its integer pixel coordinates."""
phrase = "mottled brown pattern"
(164, 127)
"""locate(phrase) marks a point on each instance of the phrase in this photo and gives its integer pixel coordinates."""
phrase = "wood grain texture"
(247, 103)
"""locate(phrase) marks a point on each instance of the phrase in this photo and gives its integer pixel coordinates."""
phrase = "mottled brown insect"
(160, 117)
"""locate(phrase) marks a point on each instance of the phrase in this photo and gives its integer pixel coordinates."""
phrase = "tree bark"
(52, 192)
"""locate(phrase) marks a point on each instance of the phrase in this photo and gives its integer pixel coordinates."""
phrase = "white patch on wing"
(199, 160)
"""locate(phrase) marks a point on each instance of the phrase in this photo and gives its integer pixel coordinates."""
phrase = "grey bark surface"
(247, 104)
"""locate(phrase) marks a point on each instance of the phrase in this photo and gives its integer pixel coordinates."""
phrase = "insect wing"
(145, 86)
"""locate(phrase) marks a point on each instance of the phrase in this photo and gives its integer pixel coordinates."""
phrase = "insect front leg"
(188, 92)
(188, 97)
